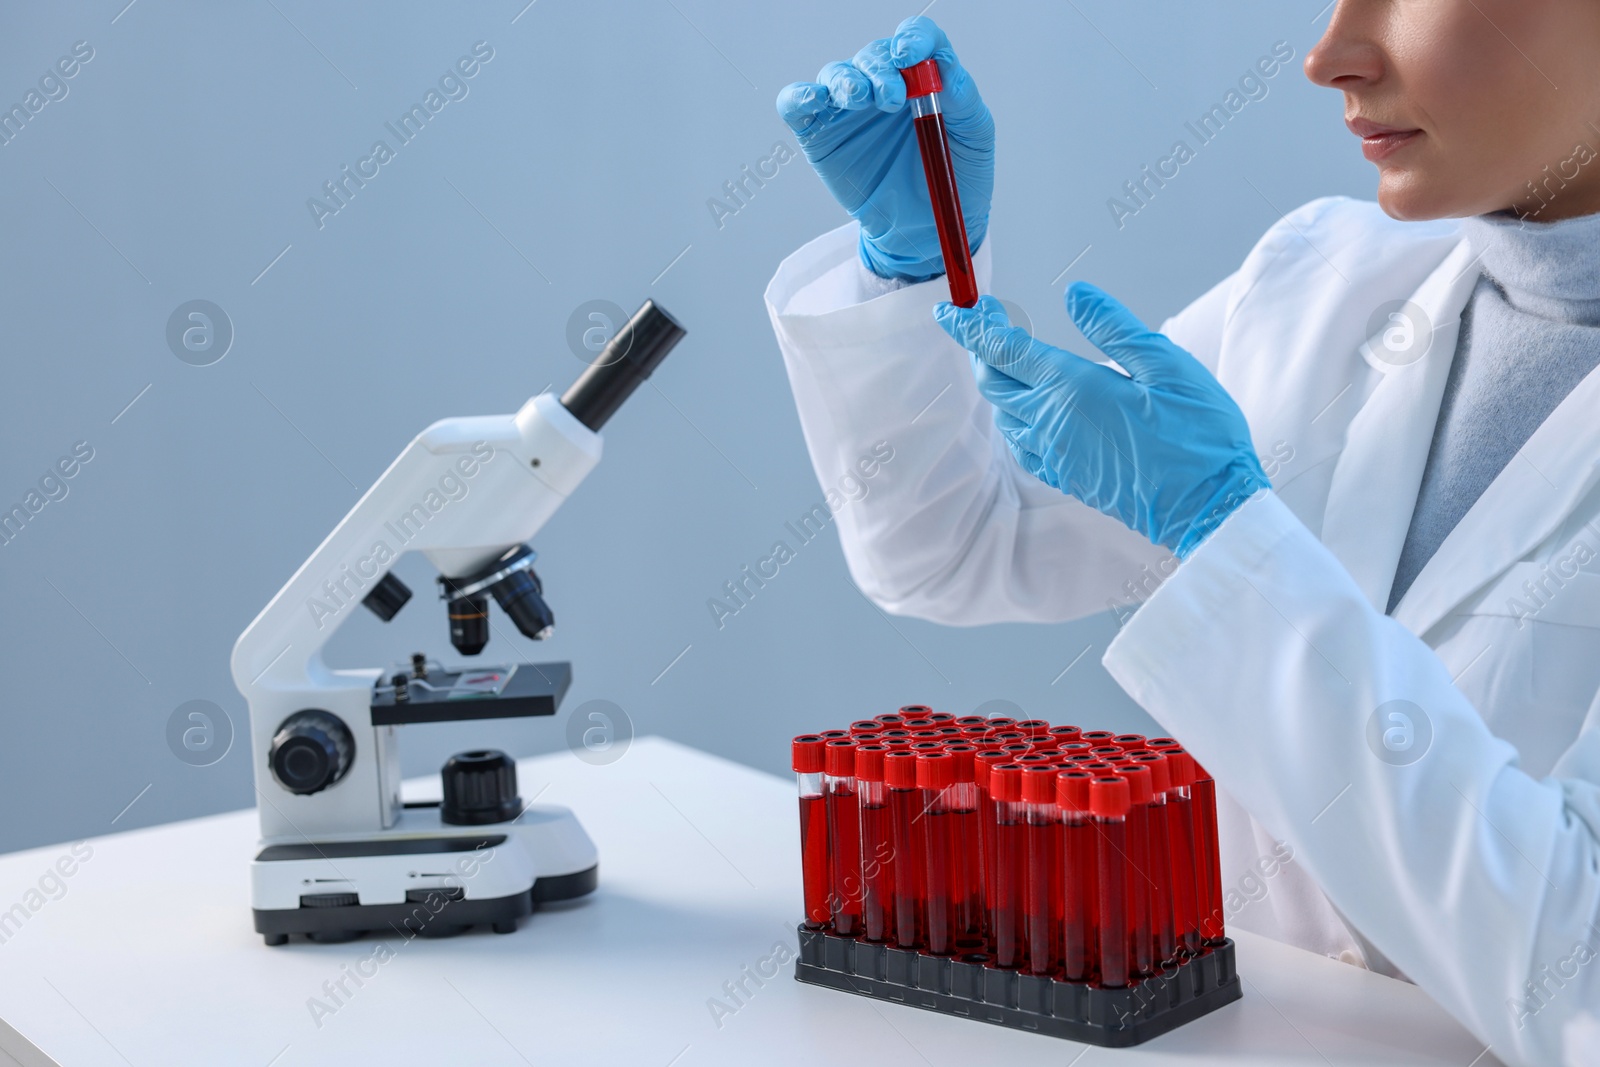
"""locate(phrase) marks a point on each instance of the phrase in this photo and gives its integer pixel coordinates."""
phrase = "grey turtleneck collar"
(1529, 334)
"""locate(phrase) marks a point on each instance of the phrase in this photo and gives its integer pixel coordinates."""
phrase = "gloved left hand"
(1163, 448)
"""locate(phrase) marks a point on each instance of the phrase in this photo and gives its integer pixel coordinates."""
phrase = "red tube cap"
(840, 760)
(916, 711)
(1180, 767)
(1005, 782)
(1065, 734)
(1108, 797)
(895, 743)
(972, 720)
(1016, 748)
(1072, 790)
(1074, 748)
(935, 770)
(890, 718)
(1002, 722)
(983, 763)
(1159, 769)
(869, 762)
(1033, 727)
(1128, 742)
(962, 755)
(1039, 783)
(1098, 767)
(922, 79)
(1141, 783)
(1097, 737)
(1158, 743)
(941, 717)
(806, 754)
(865, 726)
(900, 770)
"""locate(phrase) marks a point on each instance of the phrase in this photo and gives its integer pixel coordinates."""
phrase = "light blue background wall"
(578, 167)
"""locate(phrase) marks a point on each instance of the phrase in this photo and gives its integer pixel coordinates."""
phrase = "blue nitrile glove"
(855, 129)
(1166, 451)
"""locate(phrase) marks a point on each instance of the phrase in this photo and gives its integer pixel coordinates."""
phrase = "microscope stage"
(493, 692)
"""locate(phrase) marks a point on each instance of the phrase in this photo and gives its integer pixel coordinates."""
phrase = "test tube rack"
(1038, 877)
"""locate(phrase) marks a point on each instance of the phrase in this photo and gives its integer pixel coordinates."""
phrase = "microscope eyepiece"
(626, 361)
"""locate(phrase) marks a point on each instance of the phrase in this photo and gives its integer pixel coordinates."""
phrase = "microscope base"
(423, 879)
(433, 915)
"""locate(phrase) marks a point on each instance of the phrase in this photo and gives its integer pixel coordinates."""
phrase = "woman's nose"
(1349, 53)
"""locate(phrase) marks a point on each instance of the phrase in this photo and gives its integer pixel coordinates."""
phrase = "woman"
(1386, 650)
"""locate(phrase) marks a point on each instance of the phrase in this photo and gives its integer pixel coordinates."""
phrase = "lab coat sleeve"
(1479, 882)
(950, 528)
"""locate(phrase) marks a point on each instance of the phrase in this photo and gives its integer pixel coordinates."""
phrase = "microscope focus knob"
(311, 751)
(480, 787)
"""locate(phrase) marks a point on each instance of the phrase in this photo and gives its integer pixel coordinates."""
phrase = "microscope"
(341, 853)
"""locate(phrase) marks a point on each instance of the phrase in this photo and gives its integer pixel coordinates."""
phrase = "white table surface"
(149, 958)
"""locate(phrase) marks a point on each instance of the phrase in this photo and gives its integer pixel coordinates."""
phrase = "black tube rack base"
(1113, 1018)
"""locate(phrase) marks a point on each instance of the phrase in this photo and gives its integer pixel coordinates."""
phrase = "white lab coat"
(1475, 869)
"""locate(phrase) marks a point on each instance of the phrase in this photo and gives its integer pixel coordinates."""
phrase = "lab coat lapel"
(1535, 493)
(1375, 484)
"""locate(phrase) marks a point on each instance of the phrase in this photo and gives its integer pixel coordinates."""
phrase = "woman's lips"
(1379, 142)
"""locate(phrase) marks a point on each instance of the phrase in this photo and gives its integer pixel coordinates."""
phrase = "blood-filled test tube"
(1180, 831)
(1079, 876)
(877, 844)
(983, 763)
(1126, 742)
(966, 847)
(1032, 727)
(905, 838)
(1065, 735)
(866, 726)
(923, 86)
(1164, 899)
(1203, 793)
(1042, 897)
(935, 775)
(844, 834)
(806, 754)
(1141, 884)
(1008, 888)
(1108, 803)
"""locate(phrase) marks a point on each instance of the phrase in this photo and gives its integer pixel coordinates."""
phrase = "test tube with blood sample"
(1079, 876)
(844, 834)
(1108, 803)
(815, 872)
(906, 804)
(1141, 884)
(877, 846)
(1007, 895)
(923, 86)
(1042, 899)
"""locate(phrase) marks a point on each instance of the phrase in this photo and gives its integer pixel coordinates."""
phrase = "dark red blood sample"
(1079, 876)
(1203, 795)
(906, 803)
(844, 834)
(1008, 886)
(939, 170)
(816, 878)
(1043, 897)
(1141, 884)
(814, 858)
(1108, 798)
(877, 870)
(1180, 832)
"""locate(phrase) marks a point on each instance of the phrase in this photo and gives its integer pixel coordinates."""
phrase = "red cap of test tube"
(806, 754)
(962, 755)
(1141, 783)
(1065, 734)
(1005, 782)
(1180, 767)
(1108, 797)
(1159, 768)
(935, 770)
(1072, 790)
(1156, 744)
(1033, 727)
(869, 762)
(1127, 742)
(983, 763)
(1074, 748)
(972, 720)
(866, 726)
(922, 79)
(1097, 737)
(890, 718)
(915, 711)
(1039, 783)
(1002, 722)
(840, 758)
(940, 718)
(900, 770)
